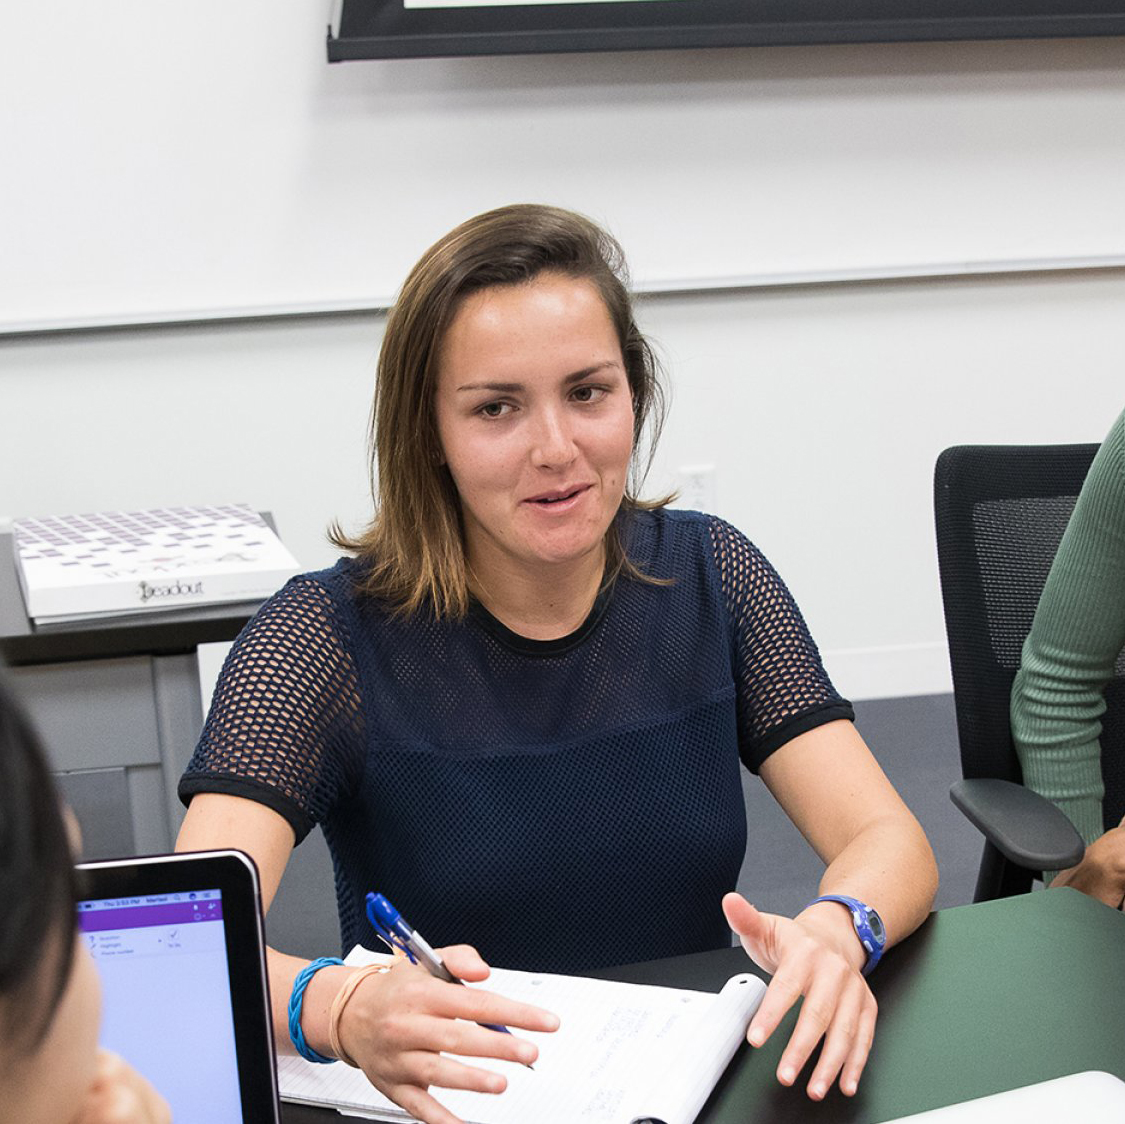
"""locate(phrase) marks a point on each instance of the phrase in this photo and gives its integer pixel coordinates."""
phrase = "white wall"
(171, 158)
(823, 410)
(826, 409)
(158, 158)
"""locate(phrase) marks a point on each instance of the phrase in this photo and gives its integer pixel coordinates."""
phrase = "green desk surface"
(981, 999)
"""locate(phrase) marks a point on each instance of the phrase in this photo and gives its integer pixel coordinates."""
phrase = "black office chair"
(1001, 512)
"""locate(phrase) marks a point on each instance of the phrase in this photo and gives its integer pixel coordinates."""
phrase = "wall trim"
(892, 672)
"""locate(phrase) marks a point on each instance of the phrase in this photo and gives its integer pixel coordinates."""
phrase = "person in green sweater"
(1068, 658)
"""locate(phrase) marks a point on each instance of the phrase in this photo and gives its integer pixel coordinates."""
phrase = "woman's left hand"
(1101, 872)
(818, 956)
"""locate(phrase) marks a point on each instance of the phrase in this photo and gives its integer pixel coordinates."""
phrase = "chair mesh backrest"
(1001, 512)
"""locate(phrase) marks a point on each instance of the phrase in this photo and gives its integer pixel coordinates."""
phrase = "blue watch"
(868, 924)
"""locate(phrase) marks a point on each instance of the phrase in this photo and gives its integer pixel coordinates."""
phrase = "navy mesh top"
(546, 801)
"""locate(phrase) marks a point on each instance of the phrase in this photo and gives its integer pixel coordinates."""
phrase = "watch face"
(875, 923)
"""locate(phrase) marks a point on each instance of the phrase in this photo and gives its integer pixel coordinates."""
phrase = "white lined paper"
(623, 1052)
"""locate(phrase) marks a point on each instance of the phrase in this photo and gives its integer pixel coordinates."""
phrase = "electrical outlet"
(697, 487)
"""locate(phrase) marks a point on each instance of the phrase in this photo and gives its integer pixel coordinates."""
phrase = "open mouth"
(562, 497)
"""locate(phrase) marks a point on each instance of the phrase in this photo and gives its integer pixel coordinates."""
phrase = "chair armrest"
(1023, 826)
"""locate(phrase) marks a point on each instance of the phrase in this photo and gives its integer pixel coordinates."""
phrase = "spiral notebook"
(624, 1054)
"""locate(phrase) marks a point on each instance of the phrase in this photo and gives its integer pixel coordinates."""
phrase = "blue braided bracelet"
(297, 1001)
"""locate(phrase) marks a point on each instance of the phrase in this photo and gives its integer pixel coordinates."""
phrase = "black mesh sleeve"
(285, 726)
(783, 689)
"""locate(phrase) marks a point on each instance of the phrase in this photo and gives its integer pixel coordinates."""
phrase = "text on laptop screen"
(167, 1000)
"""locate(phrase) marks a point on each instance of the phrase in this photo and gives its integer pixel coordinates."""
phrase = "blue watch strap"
(868, 924)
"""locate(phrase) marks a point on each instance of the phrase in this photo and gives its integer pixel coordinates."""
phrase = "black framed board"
(426, 28)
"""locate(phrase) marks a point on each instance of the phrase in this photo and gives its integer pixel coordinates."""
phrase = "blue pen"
(397, 932)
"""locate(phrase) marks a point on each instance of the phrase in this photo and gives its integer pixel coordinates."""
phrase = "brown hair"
(414, 547)
(38, 887)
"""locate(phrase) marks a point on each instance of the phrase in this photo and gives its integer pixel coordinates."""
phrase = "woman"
(1068, 658)
(518, 710)
(51, 1071)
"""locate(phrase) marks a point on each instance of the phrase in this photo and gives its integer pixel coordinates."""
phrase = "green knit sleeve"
(1069, 656)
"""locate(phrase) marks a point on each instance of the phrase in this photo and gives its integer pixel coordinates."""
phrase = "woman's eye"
(588, 393)
(494, 409)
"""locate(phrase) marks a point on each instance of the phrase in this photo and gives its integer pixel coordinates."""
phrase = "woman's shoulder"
(338, 600)
(1114, 447)
(340, 579)
(682, 527)
(1102, 500)
(658, 538)
(341, 583)
(677, 542)
(315, 602)
(686, 521)
(675, 523)
(653, 532)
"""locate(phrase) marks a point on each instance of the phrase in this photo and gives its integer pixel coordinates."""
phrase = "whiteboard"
(173, 161)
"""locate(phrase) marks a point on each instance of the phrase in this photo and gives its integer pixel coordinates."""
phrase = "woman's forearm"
(1056, 726)
(889, 865)
(321, 991)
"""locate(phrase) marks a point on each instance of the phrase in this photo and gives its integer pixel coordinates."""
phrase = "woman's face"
(49, 1086)
(535, 418)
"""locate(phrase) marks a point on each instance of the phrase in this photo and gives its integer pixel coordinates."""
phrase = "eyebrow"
(513, 387)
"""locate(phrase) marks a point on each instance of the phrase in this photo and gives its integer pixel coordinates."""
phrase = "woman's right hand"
(120, 1095)
(399, 1023)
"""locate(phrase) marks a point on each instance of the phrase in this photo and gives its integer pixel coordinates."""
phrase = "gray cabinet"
(117, 702)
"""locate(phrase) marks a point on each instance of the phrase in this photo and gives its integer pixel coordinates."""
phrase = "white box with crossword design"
(75, 566)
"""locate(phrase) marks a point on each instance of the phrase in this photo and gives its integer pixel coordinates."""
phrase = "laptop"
(1090, 1096)
(178, 942)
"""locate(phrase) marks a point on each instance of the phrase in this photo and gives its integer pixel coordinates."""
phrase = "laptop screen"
(173, 1004)
(163, 963)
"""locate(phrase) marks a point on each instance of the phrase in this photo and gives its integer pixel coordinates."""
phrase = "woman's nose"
(554, 442)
